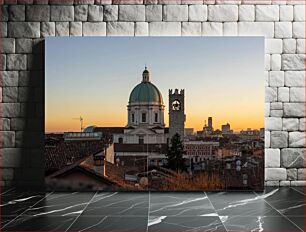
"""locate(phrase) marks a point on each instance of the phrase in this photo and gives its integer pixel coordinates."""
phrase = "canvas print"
(154, 113)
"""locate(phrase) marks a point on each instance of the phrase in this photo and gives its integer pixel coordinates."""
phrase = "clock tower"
(176, 113)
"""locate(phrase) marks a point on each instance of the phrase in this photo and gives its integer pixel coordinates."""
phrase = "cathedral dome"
(146, 92)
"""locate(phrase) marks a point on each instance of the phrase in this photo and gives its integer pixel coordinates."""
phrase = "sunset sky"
(92, 77)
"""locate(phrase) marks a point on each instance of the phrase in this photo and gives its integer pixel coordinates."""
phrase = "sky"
(92, 77)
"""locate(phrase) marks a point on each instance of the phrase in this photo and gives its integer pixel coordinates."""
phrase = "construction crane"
(81, 121)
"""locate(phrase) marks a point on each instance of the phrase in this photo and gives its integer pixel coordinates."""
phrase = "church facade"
(145, 138)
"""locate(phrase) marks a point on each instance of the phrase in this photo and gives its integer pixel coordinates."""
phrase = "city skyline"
(218, 81)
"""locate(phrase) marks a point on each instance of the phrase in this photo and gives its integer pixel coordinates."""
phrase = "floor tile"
(41, 223)
(287, 201)
(118, 203)
(241, 203)
(181, 224)
(259, 223)
(299, 221)
(179, 204)
(301, 190)
(14, 203)
(110, 224)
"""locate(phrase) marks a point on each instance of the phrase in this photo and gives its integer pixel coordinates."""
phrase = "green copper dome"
(146, 92)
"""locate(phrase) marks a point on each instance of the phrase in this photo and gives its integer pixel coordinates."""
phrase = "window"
(133, 118)
(156, 117)
(120, 140)
(143, 117)
(141, 140)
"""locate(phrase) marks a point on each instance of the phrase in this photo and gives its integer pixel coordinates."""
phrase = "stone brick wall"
(25, 23)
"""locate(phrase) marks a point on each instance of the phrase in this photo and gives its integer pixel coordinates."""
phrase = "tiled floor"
(274, 210)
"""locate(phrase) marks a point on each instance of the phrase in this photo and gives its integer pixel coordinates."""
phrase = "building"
(226, 129)
(201, 149)
(145, 138)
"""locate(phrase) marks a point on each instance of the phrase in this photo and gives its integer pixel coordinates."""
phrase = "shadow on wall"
(30, 139)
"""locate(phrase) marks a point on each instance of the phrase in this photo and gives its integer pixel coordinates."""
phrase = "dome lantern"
(145, 75)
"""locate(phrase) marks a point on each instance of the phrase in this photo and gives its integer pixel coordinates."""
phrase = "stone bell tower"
(176, 113)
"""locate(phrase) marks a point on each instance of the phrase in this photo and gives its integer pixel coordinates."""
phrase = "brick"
(191, 29)
(246, 13)
(296, 139)
(175, 13)
(294, 78)
(17, 13)
(290, 124)
(120, 28)
(256, 29)
(272, 158)
(267, 61)
(286, 13)
(80, 13)
(38, 13)
(230, 29)
(274, 183)
(293, 157)
(302, 124)
(301, 175)
(279, 139)
(94, 28)
(267, 109)
(75, 29)
(8, 45)
(165, 28)
(110, 13)
(294, 109)
(95, 13)
(273, 46)
(298, 30)
(299, 13)
(297, 183)
(131, 13)
(284, 183)
(128, 2)
(222, 13)
(197, 13)
(24, 29)
(9, 78)
(277, 78)
(24, 45)
(289, 46)
(267, 139)
(293, 61)
(270, 94)
(292, 174)
(62, 29)
(273, 123)
(47, 29)
(212, 29)
(141, 29)
(16, 62)
(9, 94)
(276, 62)
(297, 94)
(300, 48)
(275, 174)
(276, 113)
(283, 30)
(62, 13)
(154, 13)
(4, 15)
(267, 13)
(5, 124)
(11, 109)
(12, 157)
(8, 139)
(276, 105)
(2, 62)
(266, 76)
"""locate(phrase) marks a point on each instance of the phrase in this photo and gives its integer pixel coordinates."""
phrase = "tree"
(175, 154)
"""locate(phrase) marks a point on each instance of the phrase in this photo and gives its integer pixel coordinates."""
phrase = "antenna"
(81, 122)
